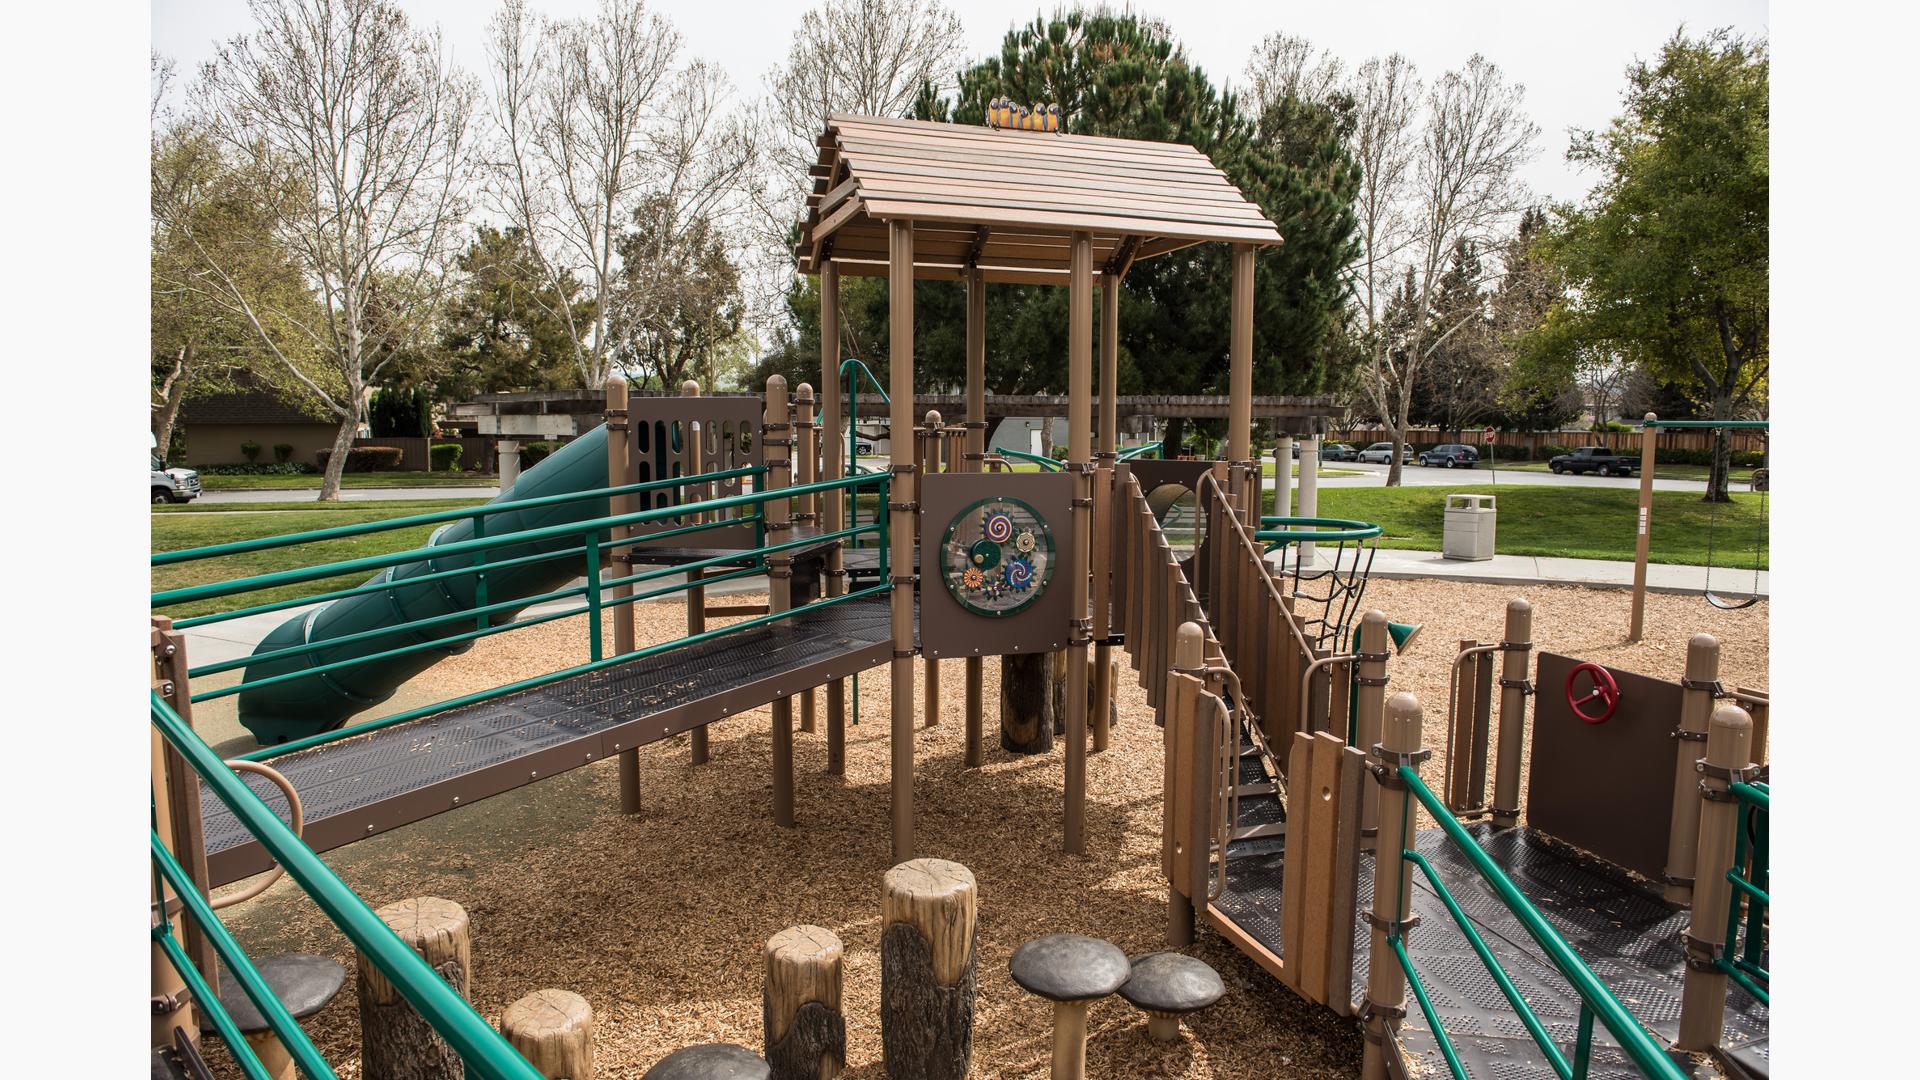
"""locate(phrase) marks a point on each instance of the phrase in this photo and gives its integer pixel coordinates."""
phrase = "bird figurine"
(1053, 118)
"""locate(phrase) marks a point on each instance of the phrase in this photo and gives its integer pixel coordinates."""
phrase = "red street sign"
(1486, 436)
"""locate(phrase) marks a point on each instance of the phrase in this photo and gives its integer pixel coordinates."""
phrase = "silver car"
(1381, 453)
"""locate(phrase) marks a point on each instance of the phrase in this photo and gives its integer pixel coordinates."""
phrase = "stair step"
(1258, 832)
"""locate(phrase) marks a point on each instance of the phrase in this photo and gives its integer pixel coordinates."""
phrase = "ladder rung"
(1264, 787)
(1259, 832)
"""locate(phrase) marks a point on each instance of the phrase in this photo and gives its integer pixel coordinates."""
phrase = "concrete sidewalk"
(1729, 582)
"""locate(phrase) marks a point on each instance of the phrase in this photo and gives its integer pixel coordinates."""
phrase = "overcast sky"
(1570, 57)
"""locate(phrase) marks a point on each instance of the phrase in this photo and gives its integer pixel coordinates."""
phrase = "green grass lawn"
(177, 527)
(351, 480)
(1568, 522)
(1661, 472)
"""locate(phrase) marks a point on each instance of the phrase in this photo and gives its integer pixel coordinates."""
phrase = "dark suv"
(1451, 456)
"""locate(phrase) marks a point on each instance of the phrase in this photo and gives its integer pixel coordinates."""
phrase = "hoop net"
(1327, 562)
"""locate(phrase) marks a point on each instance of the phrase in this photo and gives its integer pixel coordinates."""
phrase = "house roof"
(249, 404)
(1009, 201)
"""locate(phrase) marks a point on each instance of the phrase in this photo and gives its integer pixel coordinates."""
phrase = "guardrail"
(1743, 952)
(486, 1052)
(1596, 1001)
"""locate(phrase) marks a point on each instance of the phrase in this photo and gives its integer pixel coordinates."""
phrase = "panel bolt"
(456, 800)
(534, 775)
(369, 830)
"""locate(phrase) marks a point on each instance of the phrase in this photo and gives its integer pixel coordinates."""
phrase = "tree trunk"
(173, 391)
(1026, 703)
(1393, 463)
(1176, 435)
(927, 970)
(1722, 451)
(337, 458)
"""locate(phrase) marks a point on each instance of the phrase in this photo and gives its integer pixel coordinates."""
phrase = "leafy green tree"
(1667, 258)
(505, 328)
(677, 305)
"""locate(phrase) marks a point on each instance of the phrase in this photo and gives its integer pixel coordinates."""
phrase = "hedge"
(367, 458)
(534, 453)
(282, 452)
(279, 468)
(445, 457)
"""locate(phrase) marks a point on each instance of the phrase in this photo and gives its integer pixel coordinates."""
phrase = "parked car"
(1338, 451)
(1594, 459)
(1451, 456)
(862, 448)
(1381, 453)
(173, 485)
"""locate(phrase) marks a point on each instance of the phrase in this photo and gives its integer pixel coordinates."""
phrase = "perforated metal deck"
(1625, 933)
(365, 785)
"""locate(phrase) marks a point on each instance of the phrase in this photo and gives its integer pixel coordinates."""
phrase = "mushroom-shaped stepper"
(304, 983)
(1167, 986)
(713, 1061)
(1072, 971)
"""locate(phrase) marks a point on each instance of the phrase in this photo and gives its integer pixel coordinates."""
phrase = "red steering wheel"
(1605, 691)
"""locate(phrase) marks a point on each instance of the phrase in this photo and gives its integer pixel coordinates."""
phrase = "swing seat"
(1725, 604)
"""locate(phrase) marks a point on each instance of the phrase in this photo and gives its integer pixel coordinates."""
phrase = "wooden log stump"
(1026, 703)
(397, 1043)
(553, 1030)
(927, 970)
(806, 1034)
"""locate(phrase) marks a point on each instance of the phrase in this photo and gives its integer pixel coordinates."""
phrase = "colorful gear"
(973, 578)
(1025, 540)
(998, 528)
(984, 554)
(1019, 573)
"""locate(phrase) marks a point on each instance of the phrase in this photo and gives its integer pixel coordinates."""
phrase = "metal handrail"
(485, 1051)
(1453, 702)
(1595, 999)
(1046, 463)
(1742, 964)
(1132, 452)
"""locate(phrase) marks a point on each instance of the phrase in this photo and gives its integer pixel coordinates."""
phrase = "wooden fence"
(1536, 442)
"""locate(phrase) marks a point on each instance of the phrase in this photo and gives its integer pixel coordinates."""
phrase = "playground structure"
(1272, 814)
(1649, 451)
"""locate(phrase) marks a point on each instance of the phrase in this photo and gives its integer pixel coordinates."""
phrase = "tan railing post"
(931, 443)
(1703, 995)
(1514, 689)
(1080, 464)
(1392, 881)
(620, 472)
(1187, 814)
(1699, 689)
(693, 461)
(176, 794)
(833, 467)
(807, 458)
(902, 499)
(1282, 477)
(1371, 707)
(776, 444)
(975, 462)
(1643, 529)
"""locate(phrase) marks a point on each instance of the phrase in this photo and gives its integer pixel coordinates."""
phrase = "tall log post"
(1392, 883)
(397, 1043)
(930, 462)
(1703, 993)
(1026, 703)
(1370, 709)
(1696, 709)
(974, 461)
(902, 498)
(777, 452)
(553, 1030)
(806, 471)
(805, 1032)
(1080, 463)
(697, 740)
(927, 970)
(1513, 711)
(620, 473)
(832, 467)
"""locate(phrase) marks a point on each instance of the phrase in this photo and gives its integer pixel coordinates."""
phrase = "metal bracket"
(1079, 503)
(973, 424)
(774, 427)
(913, 507)
(1519, 646)
(1700, 952)
(1372, 657)
(906, 469)
(1739, 774)
(1525, 686)
(779, 526)
(166, 1003)
(1676, 879)
(1389, 926)
(776, 442)
(1369, 680)
(903, 579)
(905, 654)
(1386, 764)
(1369, 1009)
(1689, 736)
(1504, 811)
(1711, 686)
(1084, 468)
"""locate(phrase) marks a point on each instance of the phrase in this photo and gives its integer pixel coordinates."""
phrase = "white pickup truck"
(173, 485)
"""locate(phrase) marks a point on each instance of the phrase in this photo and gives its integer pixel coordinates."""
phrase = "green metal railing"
(1744, 954)
(1046, 463)
(859, 368)
(1596, 1001)
(1132, 452)
(486, 1053)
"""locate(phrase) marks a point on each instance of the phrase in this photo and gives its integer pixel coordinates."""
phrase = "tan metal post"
(697, 595)
(976, 450)
(1392, 882)
(806, 453)
(1189, 653)
(930, 463)
(777, 446)
(1104, 502)
(1643, 530)
(1513, 711)
(1240, 386)
(171, 1005)
(901, 503)
(1309, 490)
(619, 474)
(1703, 994)
(1370, 709)
(1283, 476)
(832, 467)
(1698, 690)
(1080, 464)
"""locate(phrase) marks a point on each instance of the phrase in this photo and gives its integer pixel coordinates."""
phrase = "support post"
(553, 1030)
(1370, 706)
(901, 502)
(1189, 653)
(697, 745)
(620, 472)
(507, 462)
(976, 451)
(777, 451)
(833, 467)
(1240, 386)
(1643, 529)
(1703, 993)
(1696, 710)
(805, 1033)
(1309, 489)
(1080, 463)
(1513, 711)
(396, 1041)
(1104, 501)
(1283, 476)
(927, 970)
(1392, 884)
(930, 463)
(806, 471)
(175, 791)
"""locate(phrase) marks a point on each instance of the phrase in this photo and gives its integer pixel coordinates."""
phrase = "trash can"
(1467, 532)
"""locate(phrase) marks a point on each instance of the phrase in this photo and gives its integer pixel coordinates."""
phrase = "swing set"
(1650, 432)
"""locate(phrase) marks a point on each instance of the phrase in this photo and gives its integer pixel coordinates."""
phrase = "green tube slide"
(297, 708)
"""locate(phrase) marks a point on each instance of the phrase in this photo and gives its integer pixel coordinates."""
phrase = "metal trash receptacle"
(1467, 531)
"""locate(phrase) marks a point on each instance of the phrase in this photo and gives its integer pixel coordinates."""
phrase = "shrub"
(445, 457)
(367, 458)
(1613, 425)
(279, 468)
(534, 453)
(250, 450)
(1739, 459)
(282, 452)
(1553, 450)
(1504, 452)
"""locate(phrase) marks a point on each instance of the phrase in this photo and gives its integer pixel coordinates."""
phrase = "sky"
(1570, 57)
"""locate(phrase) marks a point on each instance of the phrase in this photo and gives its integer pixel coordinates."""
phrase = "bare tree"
(1454, 183)
(1601, 377)
(1283, 66)
(355, 130)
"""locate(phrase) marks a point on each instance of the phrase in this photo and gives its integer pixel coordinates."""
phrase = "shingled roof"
(1009, 201)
